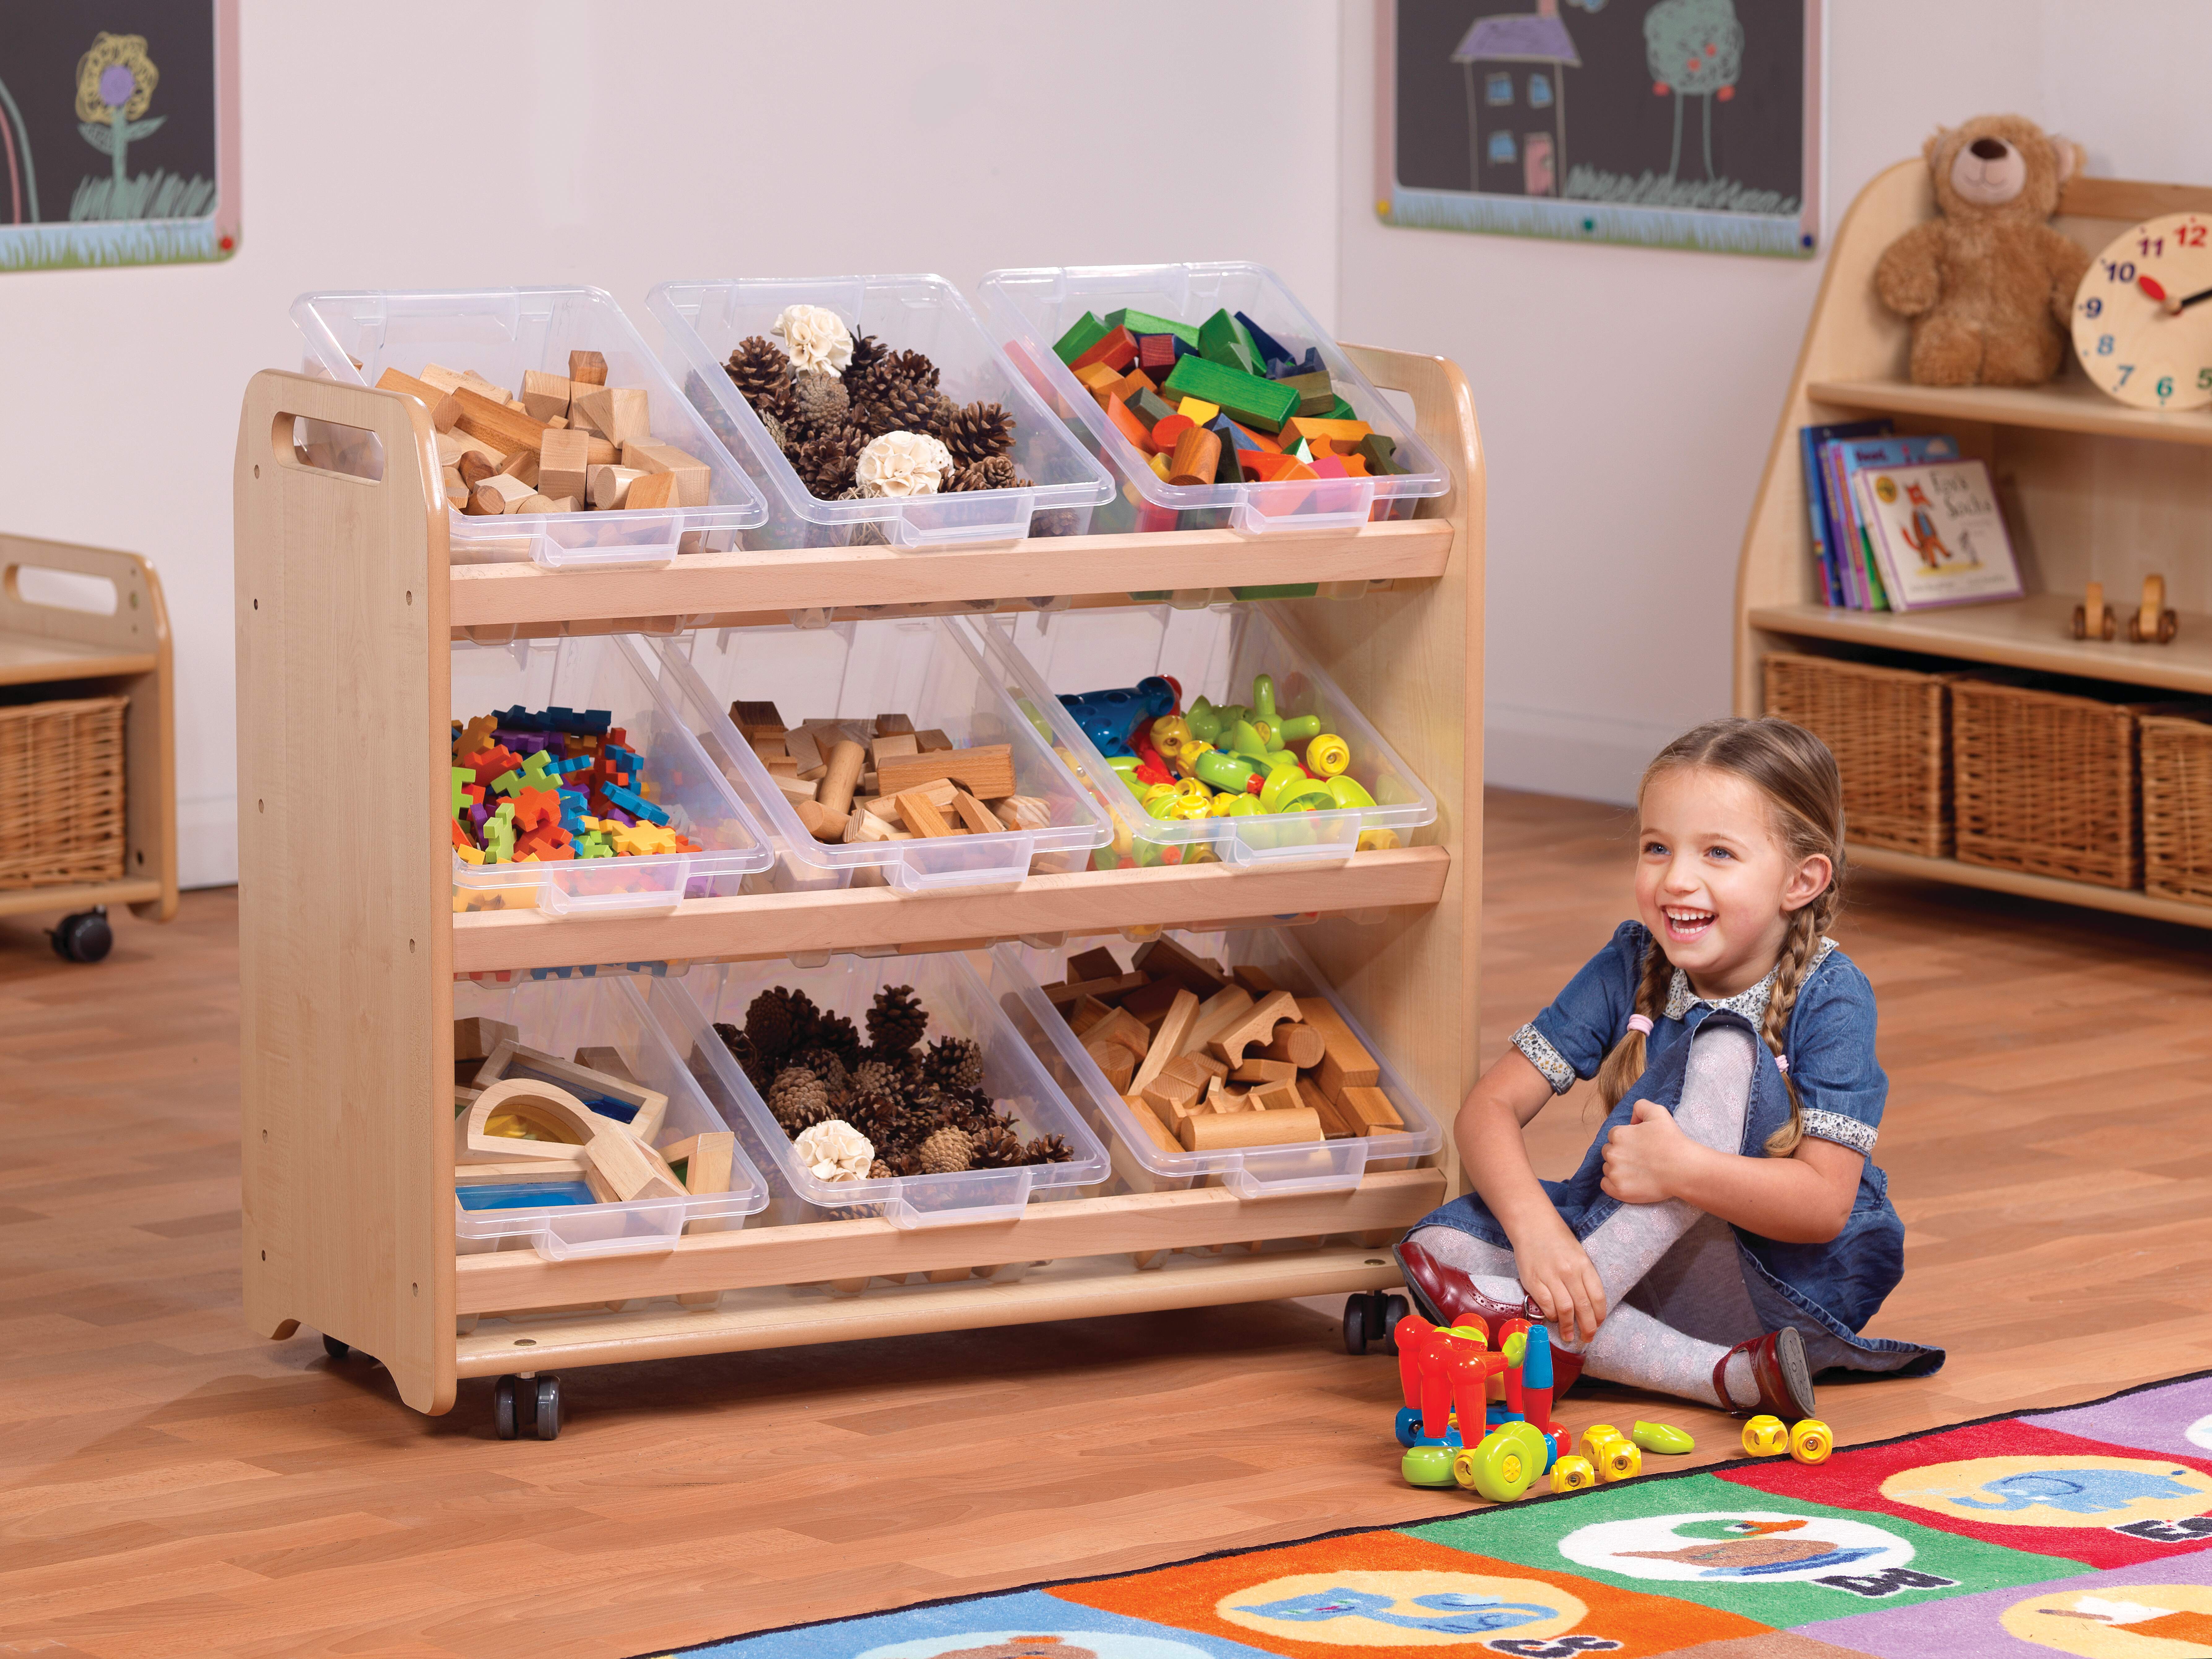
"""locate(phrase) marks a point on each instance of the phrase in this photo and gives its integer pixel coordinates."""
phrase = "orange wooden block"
(1310, 426)
(1117, 350)
(1098, 377)
(1127, 423)
(1134, 382)
(1267, 445)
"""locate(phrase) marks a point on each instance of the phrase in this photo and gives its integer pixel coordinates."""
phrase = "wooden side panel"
(344, 911)
(1412, 660)
(137, 627)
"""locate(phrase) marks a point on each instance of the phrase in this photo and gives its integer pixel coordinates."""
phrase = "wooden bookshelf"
(2092, 491)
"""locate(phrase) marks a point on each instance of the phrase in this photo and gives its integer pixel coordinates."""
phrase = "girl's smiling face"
(1713, 882)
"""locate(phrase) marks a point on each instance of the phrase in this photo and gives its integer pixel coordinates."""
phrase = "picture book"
(1936, 533)
(1864, 588)
(1810, 439)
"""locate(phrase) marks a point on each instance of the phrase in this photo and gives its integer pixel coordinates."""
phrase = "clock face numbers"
(2142, 317)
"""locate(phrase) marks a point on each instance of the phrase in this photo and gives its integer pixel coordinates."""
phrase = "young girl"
(1726, 1234)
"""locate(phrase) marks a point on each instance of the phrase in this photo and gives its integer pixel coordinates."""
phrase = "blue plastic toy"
(1107, 718)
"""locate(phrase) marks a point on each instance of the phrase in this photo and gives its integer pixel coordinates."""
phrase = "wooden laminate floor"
(171, 1486)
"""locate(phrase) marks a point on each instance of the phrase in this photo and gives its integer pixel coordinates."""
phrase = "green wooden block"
(1151, 408)
(1228, 470)
(1316, 393)
(1222, 339)
(1087, 331)
(1380, 449)
(1247, 398)
(1277, 591)
(1143, 322)
(1341, 410)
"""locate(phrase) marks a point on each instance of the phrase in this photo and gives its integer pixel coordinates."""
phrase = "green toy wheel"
(1505, 1464)
(1427, 1466)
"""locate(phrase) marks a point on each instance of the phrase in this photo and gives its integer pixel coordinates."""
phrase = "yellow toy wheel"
(1764, 1435)
(1811, 1441)
(1572, 1475)
(1618, 1460)
(1594, 1437)
(1505, 1465)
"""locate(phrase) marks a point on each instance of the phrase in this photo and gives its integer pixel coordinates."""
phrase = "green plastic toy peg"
(1288, 789)
(1662, 1438)
(1230, 772)
(1245, 740)
(1298, 728)
(1263, 698)
(1204, 720)
(1346, 791)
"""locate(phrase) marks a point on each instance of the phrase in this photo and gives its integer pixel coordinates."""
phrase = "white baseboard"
(207, 842)
(1553, 752)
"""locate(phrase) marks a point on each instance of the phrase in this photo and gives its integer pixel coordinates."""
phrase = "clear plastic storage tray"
(610, 672)
(703, 323)
(958, 1004)
(922, 667)
(498, 333)
(1029, 310)
(1017, 975)
(1215, 653)
(559, 1017)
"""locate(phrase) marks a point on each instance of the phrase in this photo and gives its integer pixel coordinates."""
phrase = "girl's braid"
(1801, 949)
(1624, 1064)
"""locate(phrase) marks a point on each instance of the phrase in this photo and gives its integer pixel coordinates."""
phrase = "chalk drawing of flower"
(115, 82)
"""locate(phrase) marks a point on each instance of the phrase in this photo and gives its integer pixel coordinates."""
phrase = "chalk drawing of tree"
(1695, 50)
(115, 82)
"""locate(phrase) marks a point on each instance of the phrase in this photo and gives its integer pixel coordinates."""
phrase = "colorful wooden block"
(1116, 350)
(1223, 339)
(1144, 322)
(1202, 412)
(1315, 394)
(1270, 349)
(1084, 332)
(1254, 402)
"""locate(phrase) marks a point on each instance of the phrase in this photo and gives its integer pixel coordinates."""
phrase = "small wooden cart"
(52, 652)
(348, 944)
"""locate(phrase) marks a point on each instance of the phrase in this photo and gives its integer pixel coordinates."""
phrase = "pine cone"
(747, 1056)
(1047, 1149)
(997, 1149)
(906, 407)
(799, 1100)
(948, 1151)
(778, 434)
(896, 1022)
(825, 1065)
(818, 403)
(840, 1037)
(825, 466)
(905, 1164)
(866, 367)
(876, 1077)
(912, 367)
(763, 373)
(953, 1064)
(977, 431)
(879, 1171)
(880, 1117)
(997, 473)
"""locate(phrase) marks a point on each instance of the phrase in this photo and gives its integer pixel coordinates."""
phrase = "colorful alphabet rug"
(2087, 1531)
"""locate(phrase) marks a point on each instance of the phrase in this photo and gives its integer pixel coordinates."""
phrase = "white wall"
(489, 143)
(1628, 396)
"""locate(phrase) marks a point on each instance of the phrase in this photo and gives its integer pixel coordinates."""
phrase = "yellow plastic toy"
(1572, 1473)
(1596, 1435)
(1619, 1459)
(1811, 1441)
(1329, 755)
(1765, 1436)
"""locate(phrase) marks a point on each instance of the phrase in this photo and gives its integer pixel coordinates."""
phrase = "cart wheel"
(502, 1407)
(84, 937)
(548, 1408)
(336, 1349)
(1355, 1322)
(1392, 1308)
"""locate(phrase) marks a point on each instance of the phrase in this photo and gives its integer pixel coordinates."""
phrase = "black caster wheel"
(548, 1408)
(1355, 1322)
(1388, 1310)
(336, 1349)
(502, 1407)
(84, 937)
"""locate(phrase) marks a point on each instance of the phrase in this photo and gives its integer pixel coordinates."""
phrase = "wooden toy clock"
(2142, 327)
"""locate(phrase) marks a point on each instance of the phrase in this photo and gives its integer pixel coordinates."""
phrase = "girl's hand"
(1560, 1278)
(1645, 1156)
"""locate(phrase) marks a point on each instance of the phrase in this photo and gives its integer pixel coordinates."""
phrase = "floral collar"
(1751, 1003)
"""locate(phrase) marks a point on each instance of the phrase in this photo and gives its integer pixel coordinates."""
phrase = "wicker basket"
(2045, 782)
(1888, 728)
(2177, 806)
(61, 774)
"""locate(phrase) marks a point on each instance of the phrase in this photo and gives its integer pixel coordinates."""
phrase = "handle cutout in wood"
(61, 590)
(320, 446)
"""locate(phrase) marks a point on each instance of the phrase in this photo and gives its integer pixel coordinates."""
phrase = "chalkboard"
(1666, 123)
(118, 132)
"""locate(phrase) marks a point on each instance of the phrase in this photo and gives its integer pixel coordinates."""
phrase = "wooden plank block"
(1255, 979)
(630, 1168)
(1162, 958)
(694, 480)
(587, 368)
(1087, 1014)
(1149, 1121)
(753, 717)
(423, 392)
(986, 772)
(495, 423)
(1299, 1045)
(650, 489)
(921, 815)
(892, 725)
(1335, 1121)
(1280, 1096)
(882, 747)
(1220, 1010)
(563, 464)
(1206, 1063)
(708, 1158)
(1119, 1065)
(1167, 1042)
(1151, 1001)
(1264, 1070)
(1370, 1108)
(1106, 990)
(1174, 1089)
(979, 818)
(1258, 1024)
(793, 788)
(931, 740)
(1098, 963)
(1346, 1064)
(1208, 1132)
(1124, 1029)
(544, 397)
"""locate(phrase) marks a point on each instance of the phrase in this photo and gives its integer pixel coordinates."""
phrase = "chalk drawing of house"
(1515, 65)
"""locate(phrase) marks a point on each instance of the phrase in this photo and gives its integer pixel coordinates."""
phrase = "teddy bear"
(1990, 285)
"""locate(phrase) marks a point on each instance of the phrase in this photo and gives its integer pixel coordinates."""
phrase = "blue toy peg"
(1108, 717)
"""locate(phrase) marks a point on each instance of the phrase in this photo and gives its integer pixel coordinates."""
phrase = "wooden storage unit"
(2091, 489)
(348, 944)
(51, 653)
